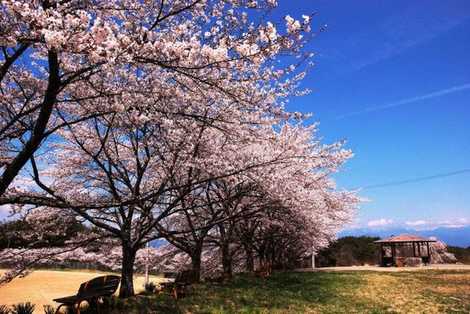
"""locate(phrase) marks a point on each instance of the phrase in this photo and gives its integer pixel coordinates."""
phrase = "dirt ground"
(42, 286)
(390, 269)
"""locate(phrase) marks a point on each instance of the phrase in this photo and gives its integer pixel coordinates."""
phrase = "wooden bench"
(264, 271)
(90, 291)
(178, 287)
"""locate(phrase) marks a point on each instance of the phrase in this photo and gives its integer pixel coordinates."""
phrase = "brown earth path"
(390, 269)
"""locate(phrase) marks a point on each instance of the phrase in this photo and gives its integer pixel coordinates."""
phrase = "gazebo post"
(381, 258)
(414, 249)
(419, 249)
(394, 254)
(429, 253)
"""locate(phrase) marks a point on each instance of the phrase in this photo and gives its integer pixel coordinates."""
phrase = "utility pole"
(147, 266)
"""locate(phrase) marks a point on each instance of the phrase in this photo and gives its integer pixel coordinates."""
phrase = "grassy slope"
(358, 292)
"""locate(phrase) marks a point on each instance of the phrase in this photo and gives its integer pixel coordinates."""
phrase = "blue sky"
(393, 79)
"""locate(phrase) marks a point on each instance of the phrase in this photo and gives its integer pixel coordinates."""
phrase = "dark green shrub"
(349, 251)
(113, 304)
(462, 254)
(150, 287)
(23, 308)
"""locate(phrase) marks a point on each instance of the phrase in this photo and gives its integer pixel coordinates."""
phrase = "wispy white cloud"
(416, 223)
(355, 223)
(400, 31)
(433, 224)
(455, 223)
(405, 101)
(380, 222)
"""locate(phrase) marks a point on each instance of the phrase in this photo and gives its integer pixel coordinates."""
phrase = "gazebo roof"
(404, 238)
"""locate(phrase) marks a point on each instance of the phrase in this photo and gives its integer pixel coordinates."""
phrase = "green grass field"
(426, 291)
(339, 292)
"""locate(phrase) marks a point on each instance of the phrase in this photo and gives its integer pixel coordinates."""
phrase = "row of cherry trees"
(164, 119)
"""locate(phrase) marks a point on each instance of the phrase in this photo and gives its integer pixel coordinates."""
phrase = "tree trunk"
(250, 263)
(226, 261)
(127, 272)
(196, 264)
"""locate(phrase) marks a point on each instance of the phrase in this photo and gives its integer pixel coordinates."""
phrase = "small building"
(404, 250)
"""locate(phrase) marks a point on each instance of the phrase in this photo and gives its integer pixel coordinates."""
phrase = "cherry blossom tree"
(193, 225)
(151, 119)
(71, 66)
(140, 184)
(292, 207)
(124, 178)
(308, 209)
(128, 181)
(185, 187)
(239, 202)
(288, 196)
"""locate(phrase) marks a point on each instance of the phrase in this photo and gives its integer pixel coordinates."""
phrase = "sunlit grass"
(351, 292)
(430, 291)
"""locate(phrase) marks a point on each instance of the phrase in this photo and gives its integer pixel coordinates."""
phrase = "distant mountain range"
(451, 236)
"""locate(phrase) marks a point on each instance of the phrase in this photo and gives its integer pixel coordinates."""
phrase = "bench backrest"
(100, 286)
(170, 274)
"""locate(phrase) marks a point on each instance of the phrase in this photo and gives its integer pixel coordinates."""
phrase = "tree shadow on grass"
(283, 292)
(140, 304)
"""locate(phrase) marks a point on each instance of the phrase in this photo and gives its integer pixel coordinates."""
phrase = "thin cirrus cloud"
(416, 223)
(395, 33)
(379, 222)
(406, 101)
(419, 224)
(448, 223)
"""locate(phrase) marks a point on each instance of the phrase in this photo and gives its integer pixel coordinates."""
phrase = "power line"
(419, 179)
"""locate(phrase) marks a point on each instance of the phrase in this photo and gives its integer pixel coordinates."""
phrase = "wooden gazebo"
(396, 248)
